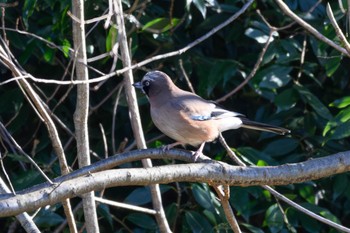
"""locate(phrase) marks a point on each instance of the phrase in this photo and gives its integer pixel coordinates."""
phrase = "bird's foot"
(196, 154)
(199, 152)
(169, 146)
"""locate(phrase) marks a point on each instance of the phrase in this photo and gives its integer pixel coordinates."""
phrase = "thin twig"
(252, 73)
(224, 196)
(114, 116)
(189, 84)
(7, 136)
(337, 29)
(105, 145)
(302, 59)
(282, 197)
(4, 170)
(144, 62)
(311, 29)
(126, 206)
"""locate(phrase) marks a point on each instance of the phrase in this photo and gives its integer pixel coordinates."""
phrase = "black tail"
(264, 127)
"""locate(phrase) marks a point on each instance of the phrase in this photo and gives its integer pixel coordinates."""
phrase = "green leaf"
(281, 147)
(18, 157)
(273, 77)
(111, 38)
(314, 102)
(327, 214)
(337, 123)
(134, 197)
(104, 211)
(161, 24)
(25, 179)
(28, 9)
(251, 228)
(142, 220)
(333, 63)
(274, 218)
(200, 5)
(257, 35)
(203, 196)
(49, 54)
(47, 218)
(310, 224)
(244, 200)
(197, 222)
(286, 99)
(213, 72)
(66, 46)
(210, 216)
(341, 103)
(307, 192)
(253, 156)
(342, 131)
(171, 212)
(340, 183)
(261, 163)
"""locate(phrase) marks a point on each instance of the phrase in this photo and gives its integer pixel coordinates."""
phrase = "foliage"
(311, 98)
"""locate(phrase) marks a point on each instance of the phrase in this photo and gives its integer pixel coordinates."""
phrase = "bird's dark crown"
(154, 82)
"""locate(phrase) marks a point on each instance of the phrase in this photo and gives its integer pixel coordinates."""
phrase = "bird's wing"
(200, 109)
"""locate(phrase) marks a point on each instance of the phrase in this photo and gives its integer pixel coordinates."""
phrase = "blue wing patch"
(200, 118)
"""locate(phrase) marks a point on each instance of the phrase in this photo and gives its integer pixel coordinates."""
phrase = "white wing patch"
(215, 114)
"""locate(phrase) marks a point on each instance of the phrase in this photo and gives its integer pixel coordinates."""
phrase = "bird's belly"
(178, 126)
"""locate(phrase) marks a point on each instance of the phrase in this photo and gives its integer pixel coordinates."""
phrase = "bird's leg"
(199, 151)
(169, 146)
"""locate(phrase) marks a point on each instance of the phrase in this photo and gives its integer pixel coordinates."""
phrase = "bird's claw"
(196, 155)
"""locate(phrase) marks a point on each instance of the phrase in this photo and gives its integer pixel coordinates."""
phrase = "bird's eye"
(146, 83)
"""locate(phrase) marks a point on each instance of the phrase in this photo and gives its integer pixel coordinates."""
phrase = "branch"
(82, 110)
(135, 115)
(144, 62)
(254, 70)
(311, 29)
(337, 29)
(32, 97)
(26, 221)
(279, 196)
(84, 180)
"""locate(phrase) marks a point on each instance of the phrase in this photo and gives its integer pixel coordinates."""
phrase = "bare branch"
(337, 29)
(205, 171)
(36, 102)
(126, 206)
(82, 110)
(26, 221)
(311, 29)
(223, 192)
(282, 197)
(135, 115)
(152, 59)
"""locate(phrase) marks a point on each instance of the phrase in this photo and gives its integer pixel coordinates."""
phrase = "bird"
(188, 118)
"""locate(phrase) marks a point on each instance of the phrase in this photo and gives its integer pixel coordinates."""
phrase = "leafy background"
(311, 98)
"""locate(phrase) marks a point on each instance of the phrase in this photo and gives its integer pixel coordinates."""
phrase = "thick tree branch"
(26, 221)
(206, 171)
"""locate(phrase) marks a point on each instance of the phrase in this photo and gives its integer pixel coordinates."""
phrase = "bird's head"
(154, 83)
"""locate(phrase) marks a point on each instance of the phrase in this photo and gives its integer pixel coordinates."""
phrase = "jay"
(188, 118)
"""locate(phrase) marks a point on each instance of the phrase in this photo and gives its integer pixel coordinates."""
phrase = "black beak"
(138, 85)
